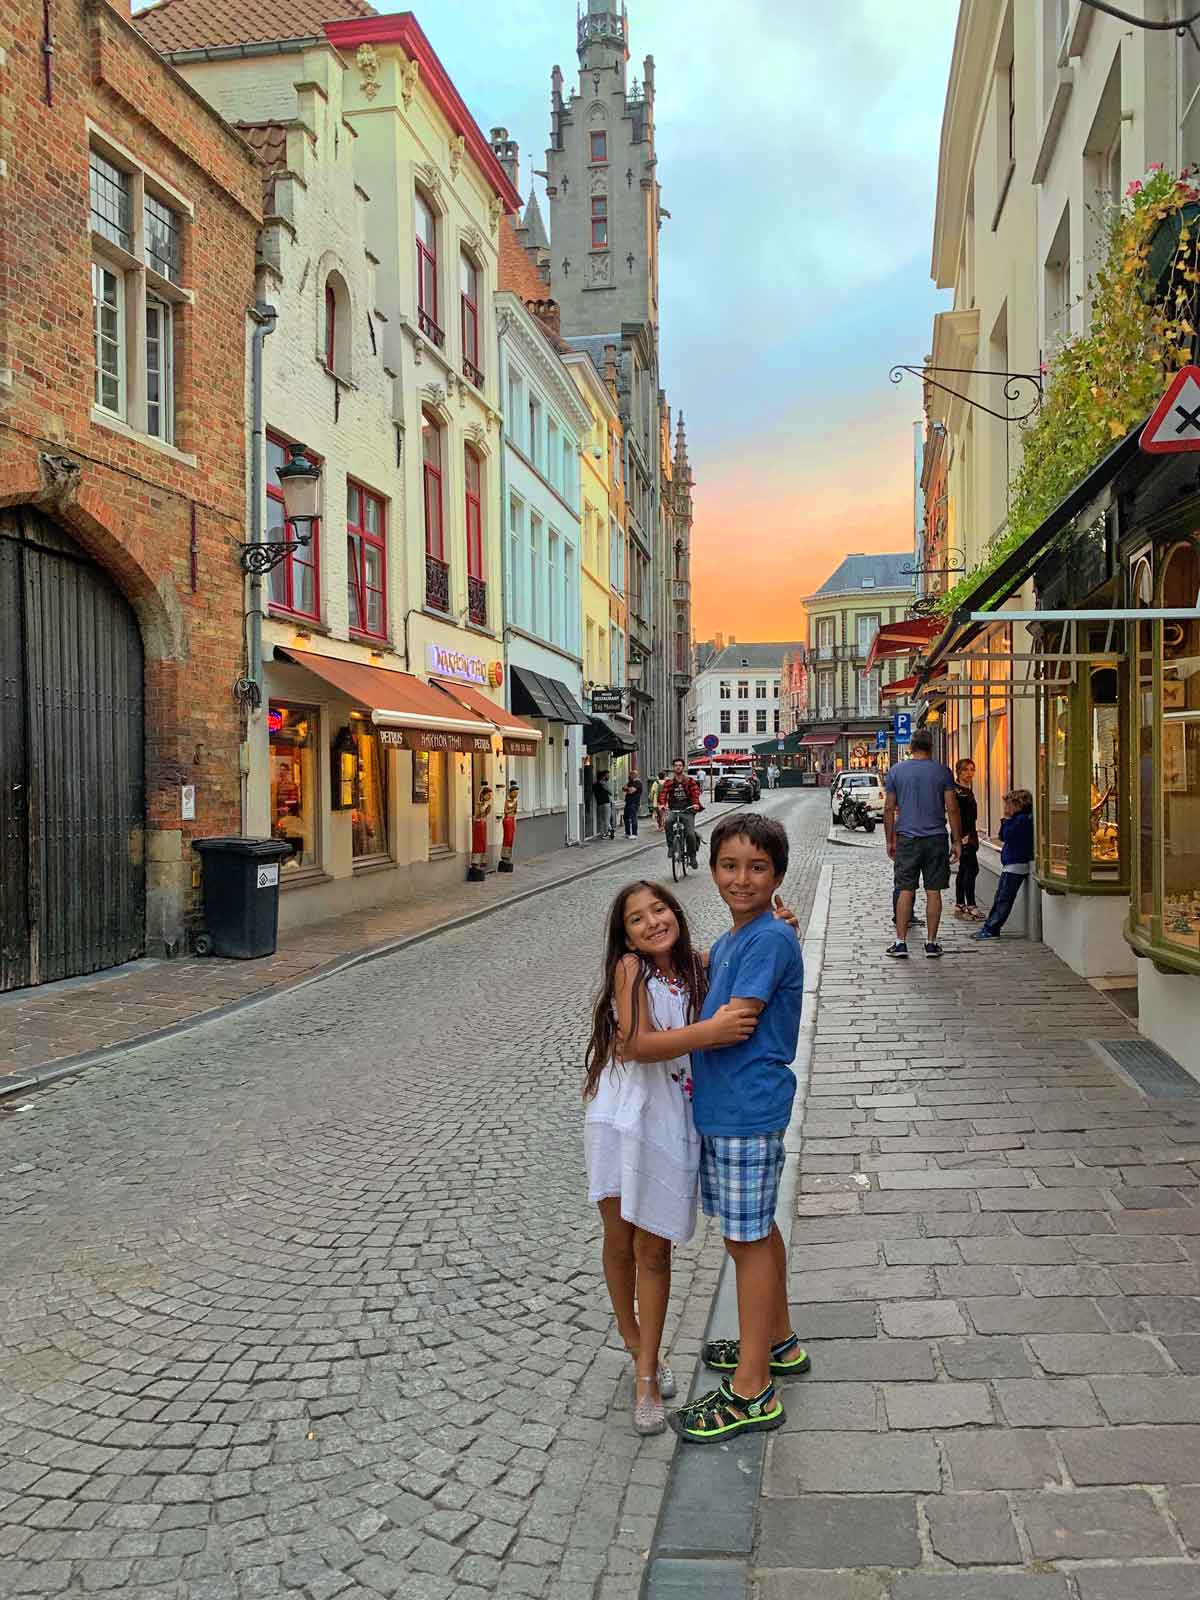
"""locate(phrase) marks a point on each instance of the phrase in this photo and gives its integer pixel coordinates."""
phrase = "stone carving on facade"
(473, 239)
(409, 73)
(368, 68)
(599, 183)
(458, 149)
(430, 177)
(495, 212)
(60, 475)
(477, 434)
(600, 269)
(434, 394)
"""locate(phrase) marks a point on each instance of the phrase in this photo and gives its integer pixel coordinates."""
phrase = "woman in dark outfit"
(968, 861)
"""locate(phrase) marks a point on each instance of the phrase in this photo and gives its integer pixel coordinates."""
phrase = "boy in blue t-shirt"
(742, 1103)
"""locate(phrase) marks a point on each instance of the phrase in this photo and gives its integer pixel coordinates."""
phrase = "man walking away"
(633, 801)
(602, 795)
(921, 799)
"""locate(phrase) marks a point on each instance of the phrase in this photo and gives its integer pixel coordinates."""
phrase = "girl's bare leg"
(620, 1270)
(653, 1257)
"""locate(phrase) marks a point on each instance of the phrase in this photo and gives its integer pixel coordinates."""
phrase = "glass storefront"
(1179, 760)
(295, 795)
(369, 816)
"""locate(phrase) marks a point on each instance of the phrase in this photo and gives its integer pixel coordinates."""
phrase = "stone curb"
(840, 836)
(705, 1531)
(40, 1076)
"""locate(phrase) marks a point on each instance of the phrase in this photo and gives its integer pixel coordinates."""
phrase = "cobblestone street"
(309, 1299)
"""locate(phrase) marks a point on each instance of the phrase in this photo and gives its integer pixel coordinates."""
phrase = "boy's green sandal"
(722, 1413)
(788, 1357)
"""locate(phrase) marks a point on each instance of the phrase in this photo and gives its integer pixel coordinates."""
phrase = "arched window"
(427, 271)
(437, 571)
(333, 342)
(468, 281)
(330, 327)
(476, 582)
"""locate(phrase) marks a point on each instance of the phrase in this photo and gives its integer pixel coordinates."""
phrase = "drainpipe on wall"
(264, 317)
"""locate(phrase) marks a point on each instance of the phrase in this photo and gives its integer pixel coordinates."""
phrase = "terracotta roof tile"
(198, 24)
(268, 140)
(517, 272)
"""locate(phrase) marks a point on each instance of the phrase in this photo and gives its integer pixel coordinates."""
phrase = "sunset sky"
(797, 147)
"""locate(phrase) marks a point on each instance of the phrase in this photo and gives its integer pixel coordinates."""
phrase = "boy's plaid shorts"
(739, 1182)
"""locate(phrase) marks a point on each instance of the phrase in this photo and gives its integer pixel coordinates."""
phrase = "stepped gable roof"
(751, 657)
(864, 573)
(268, 140)
(175, 25)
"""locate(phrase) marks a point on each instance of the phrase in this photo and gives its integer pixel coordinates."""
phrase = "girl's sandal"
(788, 1357)
(648, 1414)
(723, 1413)
(666, 1378)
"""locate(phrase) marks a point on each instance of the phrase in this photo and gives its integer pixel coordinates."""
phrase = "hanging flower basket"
(1164, 243)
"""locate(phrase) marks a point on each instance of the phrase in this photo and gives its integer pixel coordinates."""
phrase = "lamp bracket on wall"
(266, 554)
(956, 562)
(1012, 387)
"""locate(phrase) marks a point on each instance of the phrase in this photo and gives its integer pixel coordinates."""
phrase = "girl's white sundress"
(638, 1135)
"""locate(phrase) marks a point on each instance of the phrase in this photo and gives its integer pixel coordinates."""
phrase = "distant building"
(736, 695)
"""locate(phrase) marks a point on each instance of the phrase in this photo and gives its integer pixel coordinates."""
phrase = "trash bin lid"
(259, 849)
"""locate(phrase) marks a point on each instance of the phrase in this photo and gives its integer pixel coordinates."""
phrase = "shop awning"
(900, 690)
(409, 712)
(815, 741)
(538, 695)
(902, 638)
(521, 738)
(602, 737)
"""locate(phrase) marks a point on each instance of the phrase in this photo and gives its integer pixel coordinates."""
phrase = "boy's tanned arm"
(640, 1040)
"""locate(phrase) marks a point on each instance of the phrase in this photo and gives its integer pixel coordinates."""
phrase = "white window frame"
(166, 340)
(101, 267)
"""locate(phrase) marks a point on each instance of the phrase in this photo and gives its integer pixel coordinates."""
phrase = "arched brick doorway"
(72, 762)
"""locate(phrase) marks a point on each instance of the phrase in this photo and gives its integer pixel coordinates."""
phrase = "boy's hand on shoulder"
(784, 913)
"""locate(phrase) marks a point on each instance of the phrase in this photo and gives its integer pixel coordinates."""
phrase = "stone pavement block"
(1155, 1280)
(921, 1252)
(1093, 1524)
(1184, 1351)
(1054, 1281)
(830, 1531)
(795, 1584)
(1185, 1508)
(1113, 1248)
(810, 1257)
(1046, 1224)
(1177, 1580)
(841, 1360)
(1080, 1199)
(962, 1282)
(1177, 1220)
(1132, 1399)
(936, 1405)
(830, 1406)
(1131, 1455)
(823, 1463)
(1097, 1353)
(984, 1358)
(1048, 1403)
(921, 1319)
(923, 1201)
(1027, 1314)
(1014, 1249)
(980, 1586)
(997, 1458)
(968, 1178)
(863, 1283)
(834, 1320)
(694, 1580)
(972, 1529)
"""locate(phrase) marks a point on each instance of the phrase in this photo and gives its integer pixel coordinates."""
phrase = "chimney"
(548, 314)
(610, 369)
(507, 153)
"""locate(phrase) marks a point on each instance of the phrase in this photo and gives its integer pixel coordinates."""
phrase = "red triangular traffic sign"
(1175, 421)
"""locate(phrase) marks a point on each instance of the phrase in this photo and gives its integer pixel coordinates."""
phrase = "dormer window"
(868, 583)
(599, 146)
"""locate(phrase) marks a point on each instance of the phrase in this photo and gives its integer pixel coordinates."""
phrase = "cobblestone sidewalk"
(996, 1264)
(39, 1027)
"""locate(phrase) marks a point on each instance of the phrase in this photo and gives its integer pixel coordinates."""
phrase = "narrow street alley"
(308, 1300)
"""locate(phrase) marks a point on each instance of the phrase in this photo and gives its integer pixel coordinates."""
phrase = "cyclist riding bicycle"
(680, 797)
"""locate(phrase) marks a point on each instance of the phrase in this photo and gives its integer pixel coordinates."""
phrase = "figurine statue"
(508, 828)
(479, 834)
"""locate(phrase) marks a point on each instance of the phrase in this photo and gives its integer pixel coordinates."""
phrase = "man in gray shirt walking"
(921, 800)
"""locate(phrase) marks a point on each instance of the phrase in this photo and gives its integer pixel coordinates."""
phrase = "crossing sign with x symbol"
(1175, 422)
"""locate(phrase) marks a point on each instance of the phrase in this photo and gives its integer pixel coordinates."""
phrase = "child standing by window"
(1016, 859)
(642, 1149)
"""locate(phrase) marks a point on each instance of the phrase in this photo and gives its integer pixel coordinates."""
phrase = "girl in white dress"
(643, 1152)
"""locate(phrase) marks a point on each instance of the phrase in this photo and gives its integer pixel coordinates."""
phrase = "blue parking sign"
(881, 738)
(902, 726)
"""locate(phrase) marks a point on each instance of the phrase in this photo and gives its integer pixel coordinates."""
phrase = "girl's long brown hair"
(603, 1045)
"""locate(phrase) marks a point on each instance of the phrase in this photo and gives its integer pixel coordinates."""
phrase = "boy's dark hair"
(763, 832)
(922, 740)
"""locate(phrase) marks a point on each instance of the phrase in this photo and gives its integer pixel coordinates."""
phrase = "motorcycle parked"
(855, 814)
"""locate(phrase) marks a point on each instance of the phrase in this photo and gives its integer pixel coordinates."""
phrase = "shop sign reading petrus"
(430, 740)
(442, 662)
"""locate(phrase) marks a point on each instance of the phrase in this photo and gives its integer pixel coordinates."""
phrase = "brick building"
(122, 493)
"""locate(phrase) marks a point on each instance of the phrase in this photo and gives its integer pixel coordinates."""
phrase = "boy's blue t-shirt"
(748, 1088)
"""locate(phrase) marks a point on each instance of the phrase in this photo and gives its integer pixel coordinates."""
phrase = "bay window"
(366, 561)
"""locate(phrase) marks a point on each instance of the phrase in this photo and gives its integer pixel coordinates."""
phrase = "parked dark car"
(737, 786)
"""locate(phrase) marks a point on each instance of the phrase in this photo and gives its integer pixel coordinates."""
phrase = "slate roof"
(534, 226)
(201, 24)
(859, 573)
(751, 657)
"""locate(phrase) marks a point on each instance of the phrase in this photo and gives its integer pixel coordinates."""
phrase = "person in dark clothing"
(633, 801)
(602, 795)
(968, 861)
(1016, 860)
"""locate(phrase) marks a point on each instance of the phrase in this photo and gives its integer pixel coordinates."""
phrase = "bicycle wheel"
(677, 862)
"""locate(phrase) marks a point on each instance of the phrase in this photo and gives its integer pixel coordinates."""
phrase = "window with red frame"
(431, 458)
(468, 274)
(599, 221)
(600, 146)
(366, 561)
(474, 516)
(293, 585)
(427, 270)
(330, 326)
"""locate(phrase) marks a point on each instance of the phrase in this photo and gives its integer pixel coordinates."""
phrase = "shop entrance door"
(439, 800)
(72, 792)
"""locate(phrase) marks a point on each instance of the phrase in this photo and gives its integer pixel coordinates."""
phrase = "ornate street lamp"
(300, 481)
(633, 670)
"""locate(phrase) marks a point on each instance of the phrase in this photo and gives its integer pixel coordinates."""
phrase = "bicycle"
(677, 845)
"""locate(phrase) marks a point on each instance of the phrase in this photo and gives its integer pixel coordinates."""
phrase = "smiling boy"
(742, 1103)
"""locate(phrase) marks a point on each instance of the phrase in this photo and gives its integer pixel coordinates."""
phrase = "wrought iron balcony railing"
(477, 602)
(437, 583)
(430, 328)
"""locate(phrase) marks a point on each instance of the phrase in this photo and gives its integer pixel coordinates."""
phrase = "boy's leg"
(1006, 895)
(758, 1294)
(781, 1325)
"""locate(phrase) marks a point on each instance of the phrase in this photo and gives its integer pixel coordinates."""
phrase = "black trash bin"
(241, 896)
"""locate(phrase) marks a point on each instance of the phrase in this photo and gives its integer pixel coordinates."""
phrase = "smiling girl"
(642, 1149)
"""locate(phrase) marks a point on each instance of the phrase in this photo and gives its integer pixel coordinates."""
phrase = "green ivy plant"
(1101, 383)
